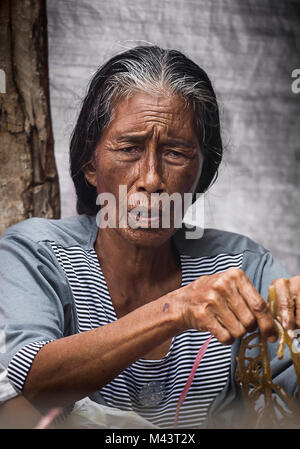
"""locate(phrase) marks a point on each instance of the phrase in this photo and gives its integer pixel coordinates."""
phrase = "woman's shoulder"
(76, 230)
(214, 242)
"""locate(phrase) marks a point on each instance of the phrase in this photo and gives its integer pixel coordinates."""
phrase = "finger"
(229, 320)
(213, 325)
(259, 308)
(241, 310)
(285, 304)
(294, 287)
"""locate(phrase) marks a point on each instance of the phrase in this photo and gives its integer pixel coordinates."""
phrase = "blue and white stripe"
(94, 308)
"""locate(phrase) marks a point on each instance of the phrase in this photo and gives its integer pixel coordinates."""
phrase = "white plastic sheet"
(87, 414)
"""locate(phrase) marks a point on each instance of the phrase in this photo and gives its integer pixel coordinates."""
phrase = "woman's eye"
(175, 154)
(129, 150)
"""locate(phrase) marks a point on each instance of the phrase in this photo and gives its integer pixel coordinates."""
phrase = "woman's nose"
(150, 176)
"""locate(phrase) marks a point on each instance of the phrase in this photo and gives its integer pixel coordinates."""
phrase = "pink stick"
(46, 420)
(182, 397)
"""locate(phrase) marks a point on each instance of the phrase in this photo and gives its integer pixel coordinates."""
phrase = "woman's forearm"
(73, 367)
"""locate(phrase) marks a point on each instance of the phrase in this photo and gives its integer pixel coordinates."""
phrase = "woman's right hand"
(225, 304)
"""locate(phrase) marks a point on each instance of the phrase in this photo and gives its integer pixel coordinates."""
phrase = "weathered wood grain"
(28, 176)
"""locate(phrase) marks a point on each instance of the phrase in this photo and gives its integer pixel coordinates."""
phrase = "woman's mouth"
(144, 217)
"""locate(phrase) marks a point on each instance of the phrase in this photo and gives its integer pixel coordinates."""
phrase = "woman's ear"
(89, 171)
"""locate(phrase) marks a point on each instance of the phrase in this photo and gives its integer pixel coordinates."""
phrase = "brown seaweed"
(255, 378)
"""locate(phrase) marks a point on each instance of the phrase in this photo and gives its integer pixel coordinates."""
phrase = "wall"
(249, 49)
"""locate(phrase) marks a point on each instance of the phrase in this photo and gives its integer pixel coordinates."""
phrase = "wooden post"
(28, 176)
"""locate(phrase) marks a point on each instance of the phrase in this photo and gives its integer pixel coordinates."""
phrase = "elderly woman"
(118, 313)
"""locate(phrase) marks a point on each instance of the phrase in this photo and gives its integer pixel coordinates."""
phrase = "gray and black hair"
(156, 71)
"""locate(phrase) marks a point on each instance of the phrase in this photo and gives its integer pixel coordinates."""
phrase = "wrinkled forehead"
(150, 115)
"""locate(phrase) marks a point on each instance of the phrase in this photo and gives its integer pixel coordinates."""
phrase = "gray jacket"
(37, 302)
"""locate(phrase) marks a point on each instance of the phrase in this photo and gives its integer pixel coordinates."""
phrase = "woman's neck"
(135, 274)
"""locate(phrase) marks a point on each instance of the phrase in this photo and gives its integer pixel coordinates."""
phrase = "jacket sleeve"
(35, 303)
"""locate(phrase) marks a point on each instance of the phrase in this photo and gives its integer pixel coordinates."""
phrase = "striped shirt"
(149, 387)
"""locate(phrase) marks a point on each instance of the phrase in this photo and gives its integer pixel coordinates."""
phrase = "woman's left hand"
(288, 302)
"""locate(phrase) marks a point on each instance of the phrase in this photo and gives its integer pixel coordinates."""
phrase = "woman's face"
(151, 147)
